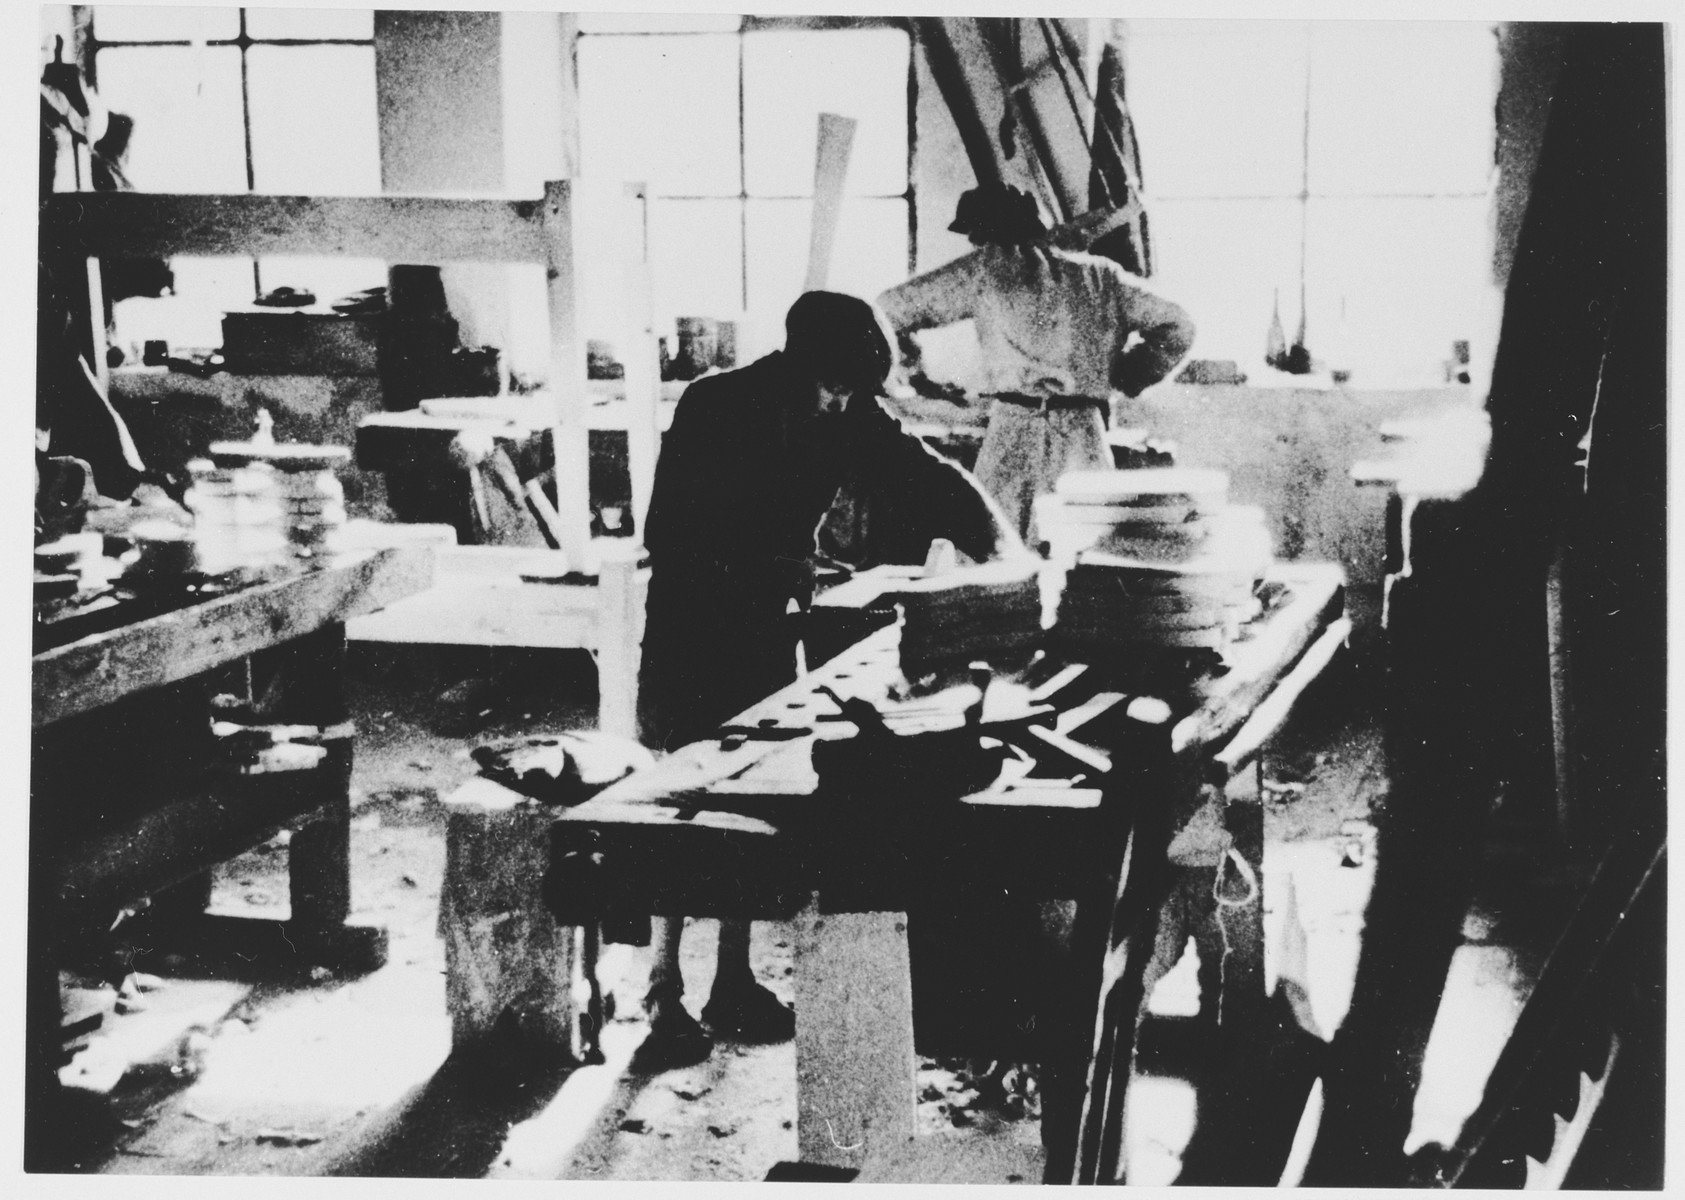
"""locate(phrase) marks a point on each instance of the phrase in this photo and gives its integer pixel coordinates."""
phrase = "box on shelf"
(261, 341)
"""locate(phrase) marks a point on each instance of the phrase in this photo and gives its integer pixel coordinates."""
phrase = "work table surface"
(712, 818)
(170, 642)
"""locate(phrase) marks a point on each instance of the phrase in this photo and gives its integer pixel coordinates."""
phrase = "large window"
(1356, 157)
(718, 115)
(231, 100)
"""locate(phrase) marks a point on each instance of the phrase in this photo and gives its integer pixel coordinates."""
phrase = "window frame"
(89, 44)
(1314, 198)
(750, 25)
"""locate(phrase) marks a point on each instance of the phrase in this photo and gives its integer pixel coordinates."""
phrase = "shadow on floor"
(454, 1125)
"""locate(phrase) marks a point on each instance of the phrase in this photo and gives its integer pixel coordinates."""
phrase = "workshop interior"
(1281, 801)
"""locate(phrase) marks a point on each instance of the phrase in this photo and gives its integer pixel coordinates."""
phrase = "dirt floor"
(331, 1076)
(321, 1075)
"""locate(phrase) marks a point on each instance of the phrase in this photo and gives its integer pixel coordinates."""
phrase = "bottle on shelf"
(1275, 343)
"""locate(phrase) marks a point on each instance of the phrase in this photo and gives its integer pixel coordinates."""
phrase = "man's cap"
(838, 339)
(998, 213)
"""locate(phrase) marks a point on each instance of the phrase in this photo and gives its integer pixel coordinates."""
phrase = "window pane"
(329, 279)
(660, 110)
(1411, 276)
(186, 104)
(1218, 106)
(1402, 106)
(616, 22)
(300, 90)
(789, 78)
(871, 249)
(309, 23)
(113, 23)
(1223, 260)
(870, 252)
(696, 255)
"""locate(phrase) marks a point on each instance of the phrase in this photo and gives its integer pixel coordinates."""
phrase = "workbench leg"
(311, 675)
(44, 1139)
(506, 958)
(856, 1083)
(1071, 1033)
(1113, 942)
(620, 610)
(1254, 1078)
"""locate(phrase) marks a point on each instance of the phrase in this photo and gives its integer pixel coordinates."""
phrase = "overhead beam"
(407, 229)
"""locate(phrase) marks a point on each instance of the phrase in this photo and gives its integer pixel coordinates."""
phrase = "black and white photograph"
(847, 596)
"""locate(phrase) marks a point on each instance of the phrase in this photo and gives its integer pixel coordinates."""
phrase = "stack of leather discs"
(990, 612)
(236, 515)
(312, 501)
(1157, 559)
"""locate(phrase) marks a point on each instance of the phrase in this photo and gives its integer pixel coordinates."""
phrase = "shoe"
(675, 1039)
(749, 1014)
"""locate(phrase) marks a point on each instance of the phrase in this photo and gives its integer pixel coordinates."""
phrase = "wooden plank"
(856, 1079)
(408, 229)
(1269, 717)
(618, 634)
(642, 383)
(414, 440)
(213, 820)
(495, 611)
(1318, 597)
(567, 376)
(830, 170)
(178, 645)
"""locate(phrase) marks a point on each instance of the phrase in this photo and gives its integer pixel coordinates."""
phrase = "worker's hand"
(912, 357)
(930, 389)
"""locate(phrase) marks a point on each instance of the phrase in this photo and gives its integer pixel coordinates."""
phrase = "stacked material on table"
(990, 613)
(1158, 558)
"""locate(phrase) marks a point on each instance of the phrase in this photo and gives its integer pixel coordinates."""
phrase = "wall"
(1530, 57)
(481, 103)
(439, 83)
(1290, 452)
(941, 171)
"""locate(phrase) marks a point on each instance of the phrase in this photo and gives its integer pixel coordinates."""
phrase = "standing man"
(751, 464)
(1059, 330)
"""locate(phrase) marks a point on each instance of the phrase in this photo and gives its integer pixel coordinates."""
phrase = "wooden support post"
(312, 691)
(97, 345)
(856, 1082)
(567, 377)
(1113, 950)
(504, 952)
(1561, 695)
(643, 376)
(619, 635)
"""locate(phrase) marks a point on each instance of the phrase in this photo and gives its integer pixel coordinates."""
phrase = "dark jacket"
(743, 481)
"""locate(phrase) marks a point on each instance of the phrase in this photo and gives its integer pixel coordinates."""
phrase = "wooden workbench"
(131, 798)
(741, 827)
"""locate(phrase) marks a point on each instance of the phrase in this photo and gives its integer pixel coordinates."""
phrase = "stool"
(504, 952)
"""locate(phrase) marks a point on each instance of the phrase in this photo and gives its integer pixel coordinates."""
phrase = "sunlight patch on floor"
(1157, 1128)
(1484, 994)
